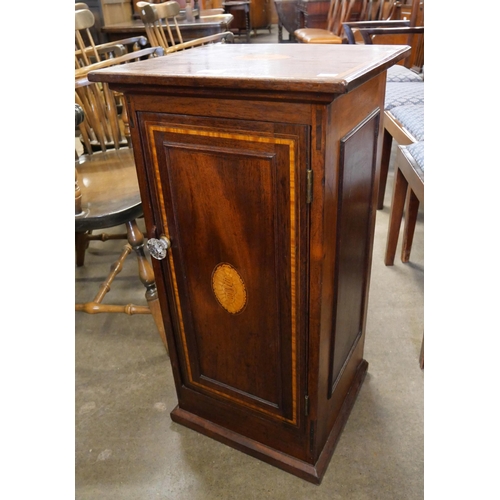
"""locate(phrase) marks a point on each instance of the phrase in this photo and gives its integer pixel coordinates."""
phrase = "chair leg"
(411, 212)
(396, 216)
(81, 243)
(384, 168)
(421, 359)
(136, 241)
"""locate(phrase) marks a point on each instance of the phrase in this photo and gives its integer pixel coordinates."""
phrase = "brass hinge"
(309, 194)
(306, 406)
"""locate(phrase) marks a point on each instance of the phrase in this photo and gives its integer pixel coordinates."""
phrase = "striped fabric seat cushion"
(402, 94)
(412, 118)
(400, 74)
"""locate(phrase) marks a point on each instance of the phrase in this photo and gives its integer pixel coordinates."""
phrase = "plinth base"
(310, 472)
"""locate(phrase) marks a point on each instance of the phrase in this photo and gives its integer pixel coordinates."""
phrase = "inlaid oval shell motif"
(229, 288)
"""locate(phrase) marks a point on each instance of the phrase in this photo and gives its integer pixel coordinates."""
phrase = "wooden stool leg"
(384, 168)
(396, 216)
(136, 241)
(411, 212)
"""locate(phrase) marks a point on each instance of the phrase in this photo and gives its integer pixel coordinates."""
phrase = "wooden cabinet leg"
(136, 241)
(411, 212)
(397, 206)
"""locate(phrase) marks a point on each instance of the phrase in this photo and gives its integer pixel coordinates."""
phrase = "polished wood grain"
(264, 159)
(273, 68)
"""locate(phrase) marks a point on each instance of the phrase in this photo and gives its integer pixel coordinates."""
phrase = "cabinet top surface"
(273, 67)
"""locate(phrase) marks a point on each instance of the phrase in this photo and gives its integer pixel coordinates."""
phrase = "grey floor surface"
(127, 447)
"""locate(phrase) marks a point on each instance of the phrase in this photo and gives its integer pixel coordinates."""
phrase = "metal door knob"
(158, 247)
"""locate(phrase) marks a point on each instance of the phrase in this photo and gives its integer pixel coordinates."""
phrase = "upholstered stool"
(401, 74)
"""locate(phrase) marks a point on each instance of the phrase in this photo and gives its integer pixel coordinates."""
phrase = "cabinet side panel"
(357, 168)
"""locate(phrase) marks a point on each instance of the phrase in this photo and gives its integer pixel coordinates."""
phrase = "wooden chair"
(339, 11)
(88, 52)
(377, 10)
(106, 188)
(198, 8)
(399, 77)
(162, 17)
(407, 195)
(390, 33)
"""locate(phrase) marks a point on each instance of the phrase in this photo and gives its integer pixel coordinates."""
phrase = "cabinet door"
(260, 14)
(230, 196)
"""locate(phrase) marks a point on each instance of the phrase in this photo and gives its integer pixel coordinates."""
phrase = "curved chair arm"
(81, 74)
(356, 25)
(367, 33)
(225, 37)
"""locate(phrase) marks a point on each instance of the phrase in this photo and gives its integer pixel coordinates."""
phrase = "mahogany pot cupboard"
(258, 170)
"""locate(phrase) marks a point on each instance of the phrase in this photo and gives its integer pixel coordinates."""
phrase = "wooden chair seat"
(338, 12)
(316, 35)
(109, 190)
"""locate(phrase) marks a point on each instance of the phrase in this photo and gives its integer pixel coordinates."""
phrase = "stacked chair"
(339, 13)
(106, 185)
(405, 85)
(88, 52)
(160, 18)
(403, 122)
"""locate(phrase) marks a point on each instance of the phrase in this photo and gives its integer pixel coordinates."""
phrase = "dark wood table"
(258, 166)
(240, 10)
(288, 18)
(190, 30)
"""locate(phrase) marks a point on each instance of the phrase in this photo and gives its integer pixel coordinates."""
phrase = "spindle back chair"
(88, 52)
(160, 20)
(106, 186)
